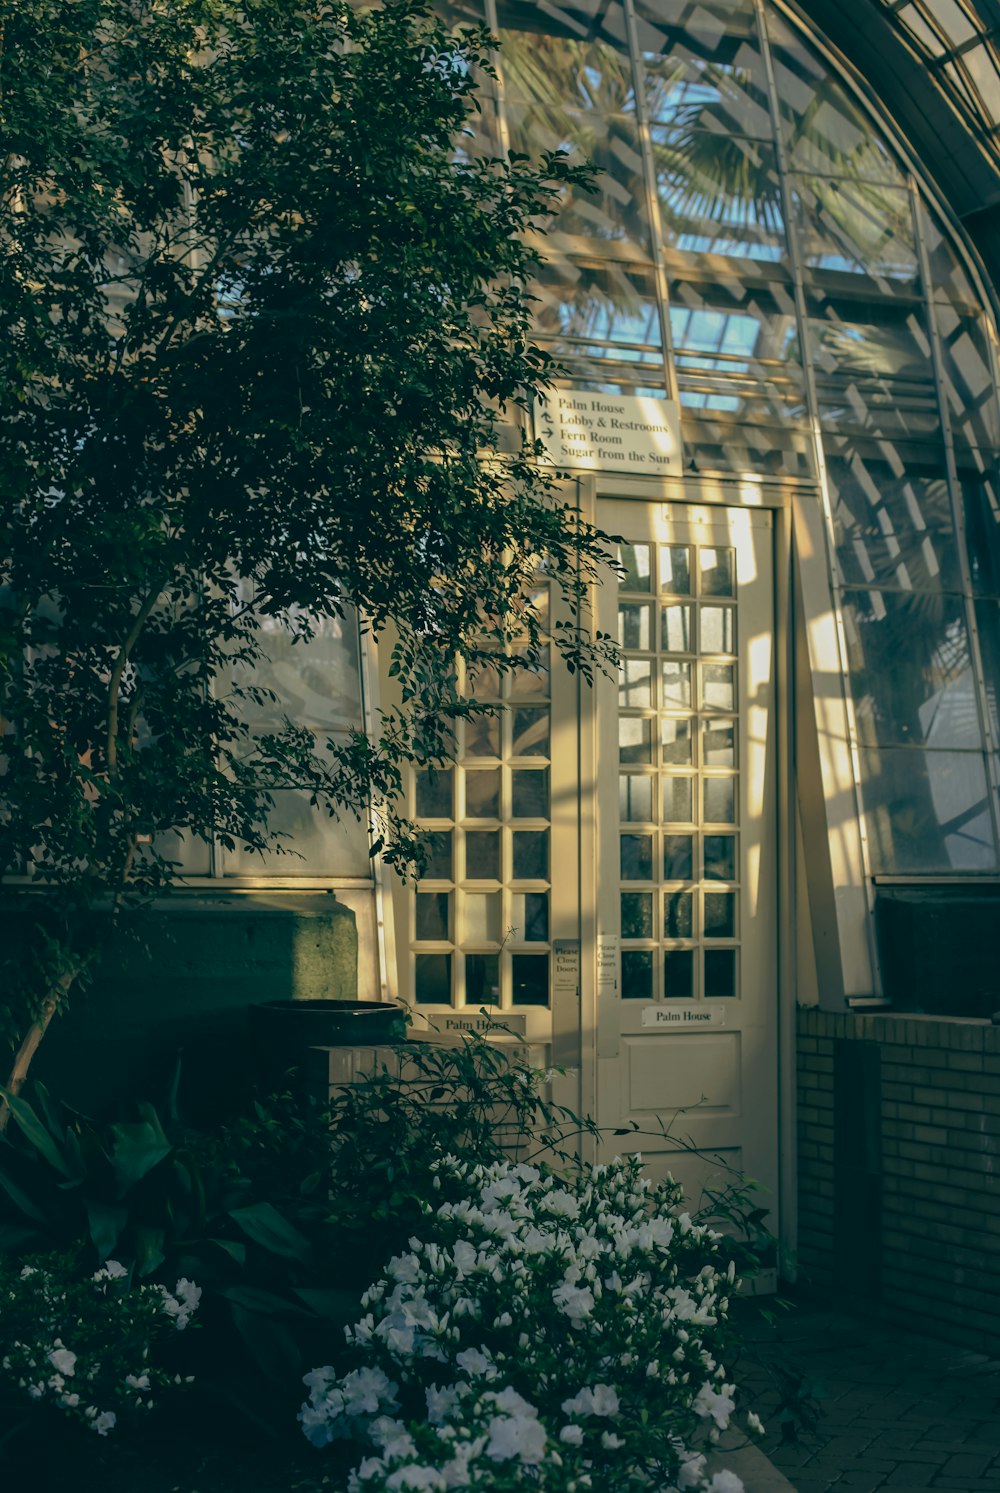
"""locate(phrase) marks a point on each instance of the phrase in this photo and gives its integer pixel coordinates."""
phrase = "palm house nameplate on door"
(610, 432)
(683, 1018)
(504, 1024)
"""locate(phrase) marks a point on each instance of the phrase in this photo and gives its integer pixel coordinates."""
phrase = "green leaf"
(136, 1149)
(149, 1252)
(35, 1132)
(335, 1306)
(233, 1248)
(269, 1343)
(255, 1299)
(106, 1224)
(20, 1198)
(262, 1223)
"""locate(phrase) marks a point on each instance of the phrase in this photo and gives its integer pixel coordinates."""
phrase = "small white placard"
(684, 1018)
(610, 432)
(607, 961)
(566, 955)
(501, 1023)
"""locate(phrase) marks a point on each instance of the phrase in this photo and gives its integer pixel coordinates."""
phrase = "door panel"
(687, 1008)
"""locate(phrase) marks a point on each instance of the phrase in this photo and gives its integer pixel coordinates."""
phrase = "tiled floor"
(898, 1411)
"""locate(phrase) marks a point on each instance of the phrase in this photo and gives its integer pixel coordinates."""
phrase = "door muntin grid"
(678, 744)
(481, 915)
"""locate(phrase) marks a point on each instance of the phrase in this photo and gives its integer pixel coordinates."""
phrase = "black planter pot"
(282, 1032)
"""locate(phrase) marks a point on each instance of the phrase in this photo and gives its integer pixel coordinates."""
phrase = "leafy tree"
(262, 312)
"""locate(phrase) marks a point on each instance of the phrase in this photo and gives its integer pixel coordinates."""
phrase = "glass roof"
(959, 40)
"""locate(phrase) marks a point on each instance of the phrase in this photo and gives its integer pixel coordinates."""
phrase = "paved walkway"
(898, 1411)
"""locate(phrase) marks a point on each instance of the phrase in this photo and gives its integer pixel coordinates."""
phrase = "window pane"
(432, 979)
(481, 917)
(635, 625)
(678, 857)
(635, 560)
(675, 739)
(678, 807)
(637, 974)
(530, 793)
(531, 854)
(718, 743)
(637, 857)
(482, 794)
(433, 918)
(675, 629)
(482, 979)
(720, 915)
(482, 855)
(635, 798)
(599, 314)
(532, 678)
(720, 974)
(718, 195)
(702, 65)
(438, 846)
(720, 800)
(718, 687)
(893, 524)
(482, 736)
(676, 683)
(635, 739)
(678, 974)
(433, 795)
(530, 979)
(678, 920)
(529, 731)
(927, 811)
(717, 571)
(910, 669)
(718, 629)
(637, 914)
(635, 682)
(530, 915)
(720, 857)
(857, 228)
(675, 569)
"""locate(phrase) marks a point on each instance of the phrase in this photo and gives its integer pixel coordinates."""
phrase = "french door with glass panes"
(686, 979)
(477, 930)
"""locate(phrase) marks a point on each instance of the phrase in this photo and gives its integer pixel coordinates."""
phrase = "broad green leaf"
(20, 1198)
(136, 1149)
(33, 1130)
(262, 1223)
(148, 1248)
(106, 1224)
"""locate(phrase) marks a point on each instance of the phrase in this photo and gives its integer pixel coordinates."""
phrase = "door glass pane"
(529, 731)
(717, 571)
(678, 807)
(482, 794)
(637, 914)
(718, 629)
(482, 736)
(530, 793)
(531, 854)
(678, 919)
(433, 916)
(438, 848)
(433, 793)
(718, 687)
(635, 684)
(720, 800)
(530, 979)
(720, 857)
(675, 629)
(481, 917)
(530, 916)
(720, 974)
(720, 915)
(635, 739)
(637, 857)
(718, 743)
(432, 979)
(676, 683)
(675, 569)
(678, 857)
(675, 739)
(637, 974)
(635, 795)
(678, 974)
(636, 561)
(482, 979)
(635, 625)
(482, 855)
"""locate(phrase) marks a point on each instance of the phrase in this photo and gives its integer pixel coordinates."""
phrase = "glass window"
(702, 65)
(858, 228)
(893, 523)
(927, 811)
(910, 669)
(605, 312)
(718, 195)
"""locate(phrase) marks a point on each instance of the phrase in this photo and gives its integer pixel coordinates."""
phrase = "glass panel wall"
(756, 247)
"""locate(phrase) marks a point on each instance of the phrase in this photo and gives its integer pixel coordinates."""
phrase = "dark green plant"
(261, 330)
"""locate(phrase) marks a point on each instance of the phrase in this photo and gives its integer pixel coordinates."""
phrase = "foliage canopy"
(263, 312)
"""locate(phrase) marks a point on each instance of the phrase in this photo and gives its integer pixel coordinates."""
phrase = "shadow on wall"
(182, 977)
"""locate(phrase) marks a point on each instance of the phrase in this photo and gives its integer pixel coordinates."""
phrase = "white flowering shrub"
(86, 1346)
(544, 1333)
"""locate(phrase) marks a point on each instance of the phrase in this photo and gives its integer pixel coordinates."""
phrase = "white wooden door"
(686, 878)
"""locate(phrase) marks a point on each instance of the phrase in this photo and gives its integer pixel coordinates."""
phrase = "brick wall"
(899, 1167)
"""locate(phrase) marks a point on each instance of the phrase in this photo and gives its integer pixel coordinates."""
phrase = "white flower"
(416, 1477)
(517, 1432)
(404, 1268)
(563, 1204)
(111, 1270)
(714, 1405)
(475, 1361)
(577, 1302)
(366, 1391)
(691, 1472)
(597, 1399)
(572, 1435)
(104, 1422)
(182, 1304)
(140, 1381)
(610, 1441)
(440, 1403)
(755, 1423)
(63, 1361)
(725, 1482)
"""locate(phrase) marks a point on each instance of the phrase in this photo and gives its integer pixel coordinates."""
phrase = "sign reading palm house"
(610, 432)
